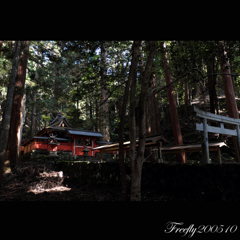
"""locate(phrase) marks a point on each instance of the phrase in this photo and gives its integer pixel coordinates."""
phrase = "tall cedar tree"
(34, 93)
(132, 74)
(1, 42)
(228, 89)
(153, 119)
(186, 89)
(212, 88)
(155, 116)
(136, 163)
(132, 122)
(16, 114)
(56, 91)
(104, 94)
(33, 122)
(173, 108)
(7, 112)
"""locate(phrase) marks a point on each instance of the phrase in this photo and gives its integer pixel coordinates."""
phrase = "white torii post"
(205, 148)
(205, 128)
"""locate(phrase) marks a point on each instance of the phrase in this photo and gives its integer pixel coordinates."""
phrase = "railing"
(205, 128)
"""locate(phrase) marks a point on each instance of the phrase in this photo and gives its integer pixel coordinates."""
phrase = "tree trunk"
(56, 91)
(197, 90)
(186, 94)
(23, 120)
(173, 108)
(33, 126)
(133, 67)
(97, 118)
(153, 117)
(140, 64)
(16, 115)
(148, 126)
(212, 89)
(155, 123)
(132, 120)
(7, 112)
(229, 91)
(136, 166)
(1, 42)
(104, 93)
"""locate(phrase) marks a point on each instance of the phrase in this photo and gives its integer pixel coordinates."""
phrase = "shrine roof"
(60, 121)
(60, 124)
(85, 133)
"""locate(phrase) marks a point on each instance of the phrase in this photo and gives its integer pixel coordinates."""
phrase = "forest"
(125, 89)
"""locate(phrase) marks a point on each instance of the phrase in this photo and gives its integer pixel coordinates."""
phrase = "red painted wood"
(42, 145)
(65, 146)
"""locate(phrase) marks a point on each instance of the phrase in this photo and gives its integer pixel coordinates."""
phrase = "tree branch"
(110, 93)
(154, 90)
(224, 74)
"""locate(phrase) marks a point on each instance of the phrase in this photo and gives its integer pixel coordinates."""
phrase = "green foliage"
(76, 92)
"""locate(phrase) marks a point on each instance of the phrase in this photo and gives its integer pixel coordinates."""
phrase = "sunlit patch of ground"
(38, 190)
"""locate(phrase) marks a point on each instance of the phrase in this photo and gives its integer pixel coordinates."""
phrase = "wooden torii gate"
(205, 128)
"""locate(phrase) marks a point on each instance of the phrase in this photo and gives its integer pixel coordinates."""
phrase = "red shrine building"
(61, 136)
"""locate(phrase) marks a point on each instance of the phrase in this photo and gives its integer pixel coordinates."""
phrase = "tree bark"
(156, 116)
(1, 42)
(229, 90)
(7, 111)
(153, 117)
(173, 108)
(97, 117)
(33, 126)
(57, 91)
(16, 114)
(186, 94)
(23, 120)
(133, 67)
(212, 89)
(136, 165)
(132, 120)
(104, 93)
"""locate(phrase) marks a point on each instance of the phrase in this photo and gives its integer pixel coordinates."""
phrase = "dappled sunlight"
(50, 182)
(33, 178)
(39, 189)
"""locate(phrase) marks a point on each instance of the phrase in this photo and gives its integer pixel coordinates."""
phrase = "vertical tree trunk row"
(153, 116)
(16, 114)
(229, 90)
(7, 112)
(1, 42)
(212, 89)
(33, 126)
(104, 93)
(132, 121)
(137, 165)
(173, 108)
(133, 67)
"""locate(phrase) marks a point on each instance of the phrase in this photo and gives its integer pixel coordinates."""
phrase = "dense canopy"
(120, 88)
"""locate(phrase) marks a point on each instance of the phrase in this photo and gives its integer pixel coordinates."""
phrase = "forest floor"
(33, 181)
